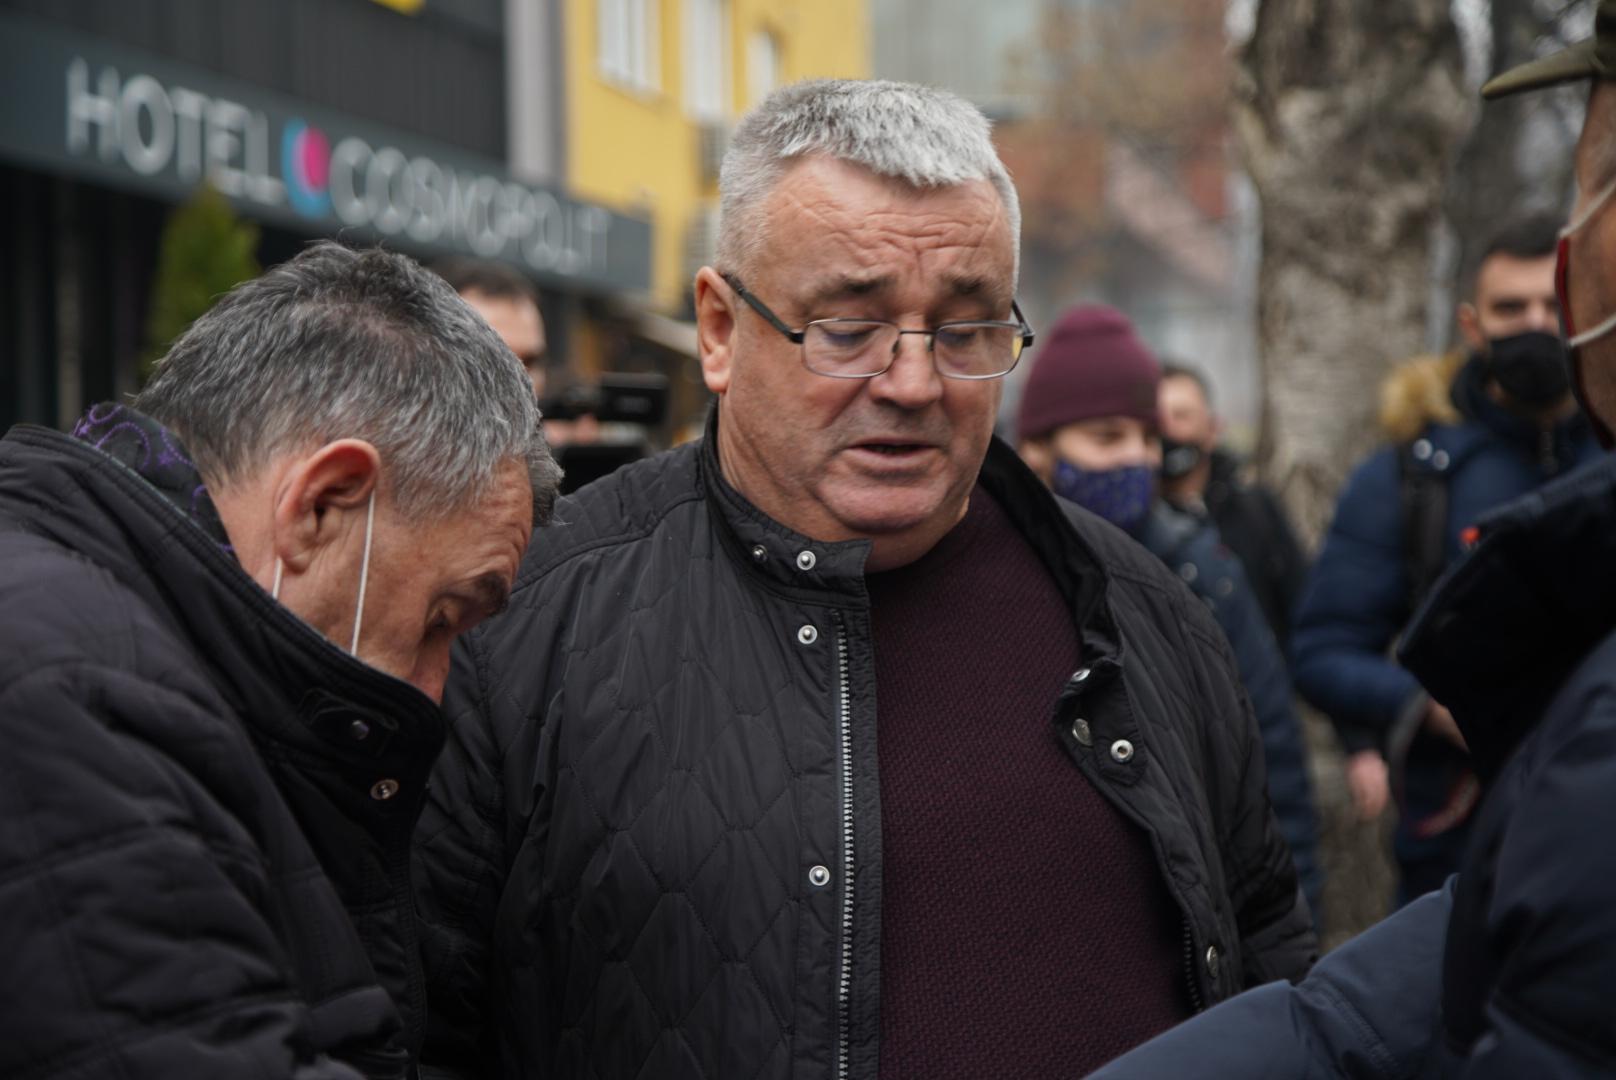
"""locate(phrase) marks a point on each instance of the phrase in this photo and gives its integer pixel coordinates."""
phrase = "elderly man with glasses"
(835, 745)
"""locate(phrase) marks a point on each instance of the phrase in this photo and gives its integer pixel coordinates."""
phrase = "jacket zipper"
(1197, 1003)
(844, 983)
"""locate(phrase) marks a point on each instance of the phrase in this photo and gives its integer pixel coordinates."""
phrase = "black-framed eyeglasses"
(865, 348)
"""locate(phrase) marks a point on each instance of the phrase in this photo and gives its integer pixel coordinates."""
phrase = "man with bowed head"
(228, 616)
(832, 745)
(1090, 427)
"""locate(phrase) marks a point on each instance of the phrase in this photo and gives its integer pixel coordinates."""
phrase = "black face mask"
(1179, 458)
(1532, 368)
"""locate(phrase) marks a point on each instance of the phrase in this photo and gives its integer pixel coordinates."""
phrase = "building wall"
(640, 149)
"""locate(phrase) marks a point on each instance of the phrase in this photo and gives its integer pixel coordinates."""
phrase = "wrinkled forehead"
(825, 214)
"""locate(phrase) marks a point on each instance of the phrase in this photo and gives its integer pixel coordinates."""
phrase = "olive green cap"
(1594, 58)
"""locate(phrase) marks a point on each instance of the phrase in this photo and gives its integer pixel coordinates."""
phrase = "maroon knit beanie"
(1091, 365)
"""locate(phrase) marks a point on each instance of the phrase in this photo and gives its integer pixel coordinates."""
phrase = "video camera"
(618, 398)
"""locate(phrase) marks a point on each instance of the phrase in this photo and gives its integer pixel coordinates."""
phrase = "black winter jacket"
(653, 844)
(1253, 524)
(197, 878)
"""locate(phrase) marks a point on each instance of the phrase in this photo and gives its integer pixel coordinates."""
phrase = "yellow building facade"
(652, 88)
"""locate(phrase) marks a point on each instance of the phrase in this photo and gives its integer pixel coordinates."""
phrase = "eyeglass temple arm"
(797, 336)
(1026, 328)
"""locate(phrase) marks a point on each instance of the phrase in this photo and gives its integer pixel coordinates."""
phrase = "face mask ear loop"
(275, 589)
(1590, 210)
(1594, 334)
(364, 574)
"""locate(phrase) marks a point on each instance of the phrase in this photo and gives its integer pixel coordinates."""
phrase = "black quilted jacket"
(196, 878)
(652, 847)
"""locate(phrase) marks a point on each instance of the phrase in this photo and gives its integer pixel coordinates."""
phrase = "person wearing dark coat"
(226, 626)
(1510, 969)
(1467, 437)
(832, 745)
(1089, 425)
(1205, 480)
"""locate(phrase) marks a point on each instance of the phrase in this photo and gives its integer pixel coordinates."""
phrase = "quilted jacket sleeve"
(1355, 604)
(1262, 673)
(1278, 939)
(133, 919)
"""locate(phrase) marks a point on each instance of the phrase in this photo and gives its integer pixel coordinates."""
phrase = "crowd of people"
(848, 740)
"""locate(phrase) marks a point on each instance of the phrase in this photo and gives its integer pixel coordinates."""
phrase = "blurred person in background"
(1509, 971)
(228, 615)
(1089, 426)
(1205, 480)
(662, 803)
(1466, 437)
(509, 303)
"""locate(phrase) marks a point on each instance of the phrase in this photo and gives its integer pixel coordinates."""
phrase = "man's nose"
(1543, 316)
(912, 381)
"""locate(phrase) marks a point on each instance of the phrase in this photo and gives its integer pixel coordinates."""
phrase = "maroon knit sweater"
(1025, 928)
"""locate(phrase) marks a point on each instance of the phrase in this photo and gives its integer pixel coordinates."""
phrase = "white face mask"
(1593, 333)
(364, 575)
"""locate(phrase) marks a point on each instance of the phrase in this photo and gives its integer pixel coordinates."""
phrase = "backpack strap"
(1423, 494)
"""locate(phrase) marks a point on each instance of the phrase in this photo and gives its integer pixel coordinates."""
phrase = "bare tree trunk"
(1349, 113)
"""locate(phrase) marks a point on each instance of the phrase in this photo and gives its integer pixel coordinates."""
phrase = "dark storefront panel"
(351, 56)
(103, 112)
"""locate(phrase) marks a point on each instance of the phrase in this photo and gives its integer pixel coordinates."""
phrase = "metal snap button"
(806, 560)
(1214, 962)
(1081, 732)
(808, 635)
(382, 790)
(759, 553)
(1082, 674)
(819, 877)
(359, 731)
(1422, 449)
(1122, 751)
(1440, 459)
(1188, 572)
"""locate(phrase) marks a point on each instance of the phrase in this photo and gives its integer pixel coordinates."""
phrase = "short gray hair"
(338, 344)
(919, 134)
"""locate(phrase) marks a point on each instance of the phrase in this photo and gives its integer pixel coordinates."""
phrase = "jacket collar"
(286, 681)
(1470, 397)
(774, 553)
(1501, 634)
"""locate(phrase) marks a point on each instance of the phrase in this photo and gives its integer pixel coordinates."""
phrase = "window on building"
(628, 42)
(762, 65)
(707, 80)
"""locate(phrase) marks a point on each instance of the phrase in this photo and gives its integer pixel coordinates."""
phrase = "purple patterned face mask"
(1121, 496)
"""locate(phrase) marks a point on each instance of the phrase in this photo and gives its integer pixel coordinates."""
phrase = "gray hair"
(922, 135)
(337, 344)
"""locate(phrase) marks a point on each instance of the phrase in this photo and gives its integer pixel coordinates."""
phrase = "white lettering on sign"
(152, 129)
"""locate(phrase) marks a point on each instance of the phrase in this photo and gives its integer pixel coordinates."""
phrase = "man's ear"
(1470, 326)
(338, 476)
(715, 329)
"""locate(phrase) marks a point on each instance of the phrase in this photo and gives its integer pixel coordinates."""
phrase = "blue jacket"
(1511, 971)
(1192, 549)
(1357, 599)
